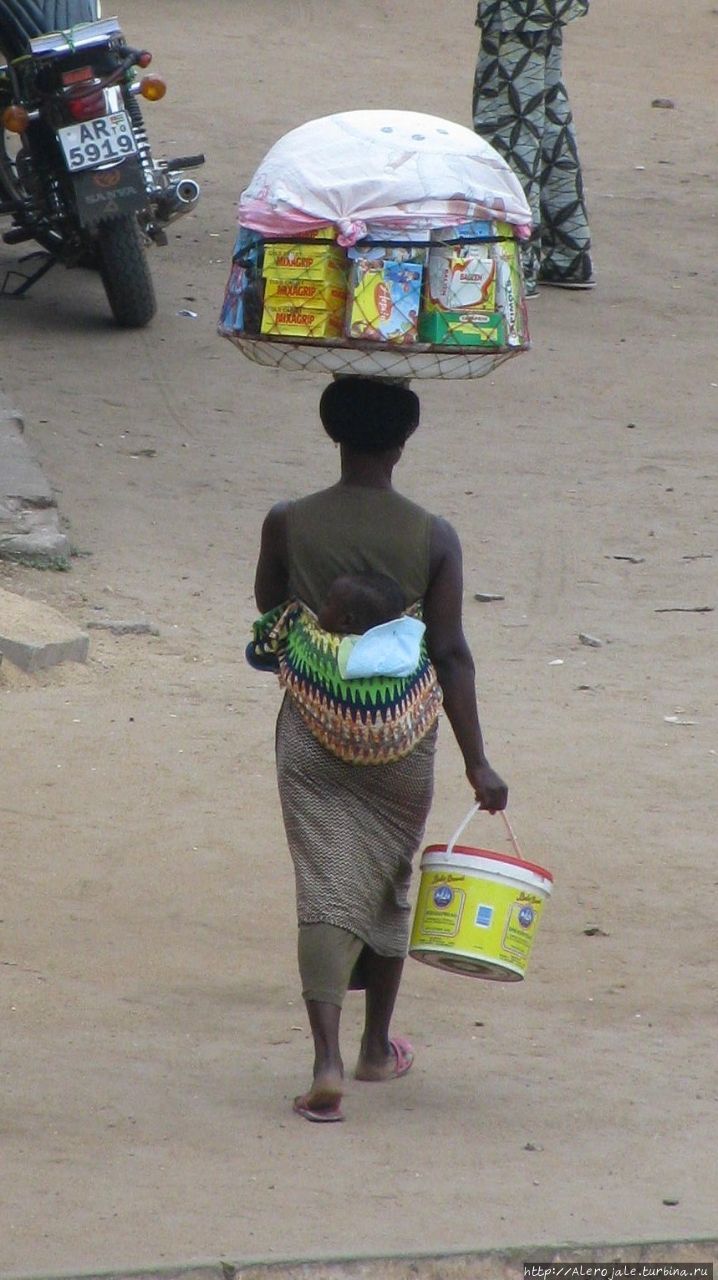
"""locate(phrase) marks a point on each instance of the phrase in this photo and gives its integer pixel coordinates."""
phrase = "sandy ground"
(152, 1030)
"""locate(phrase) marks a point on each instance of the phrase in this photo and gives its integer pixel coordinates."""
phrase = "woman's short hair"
(369, 415)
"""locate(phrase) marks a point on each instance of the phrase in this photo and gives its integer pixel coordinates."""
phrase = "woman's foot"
(323, 1101)
(321, 1110)
(376, 1068)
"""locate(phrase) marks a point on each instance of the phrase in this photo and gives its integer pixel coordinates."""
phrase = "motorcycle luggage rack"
(48, 262)
(74, 39)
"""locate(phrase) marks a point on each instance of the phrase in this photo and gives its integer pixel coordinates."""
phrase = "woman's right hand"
(490, 790)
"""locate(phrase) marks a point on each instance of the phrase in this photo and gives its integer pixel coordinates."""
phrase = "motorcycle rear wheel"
(9, 184)
(58, 15)
(125, 272)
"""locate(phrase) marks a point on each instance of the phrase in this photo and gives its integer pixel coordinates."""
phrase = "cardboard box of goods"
(385, 293)
(231, 318)
(242, 305)
(510, 293)
(302, 322)
(284, 261)
(328, 232)
(504, 231)
(316, 295)
(464, 231)
(248, 247)
(460, 277)
(463, 329)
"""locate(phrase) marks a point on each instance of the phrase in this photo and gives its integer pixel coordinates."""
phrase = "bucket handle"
(476, 808)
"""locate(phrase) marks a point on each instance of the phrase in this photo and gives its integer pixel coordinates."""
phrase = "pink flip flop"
(318, 1113)
(403, 1052)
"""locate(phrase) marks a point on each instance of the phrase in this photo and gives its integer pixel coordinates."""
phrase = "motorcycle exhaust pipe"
(187, 191)
(177, 199)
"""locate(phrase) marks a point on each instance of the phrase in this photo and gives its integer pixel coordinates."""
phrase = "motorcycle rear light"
(15, 119)
(144, 59)
(152, 88)
(78, 76)
(87, 106)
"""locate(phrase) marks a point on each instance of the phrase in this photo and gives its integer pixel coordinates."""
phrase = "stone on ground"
(34, 637)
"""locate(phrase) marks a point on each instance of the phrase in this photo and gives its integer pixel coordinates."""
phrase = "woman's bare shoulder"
(444, 538)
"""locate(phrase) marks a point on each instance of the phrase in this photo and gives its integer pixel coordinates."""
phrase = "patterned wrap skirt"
(353, 831)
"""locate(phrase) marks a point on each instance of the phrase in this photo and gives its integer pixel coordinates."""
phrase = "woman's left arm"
(271, 580)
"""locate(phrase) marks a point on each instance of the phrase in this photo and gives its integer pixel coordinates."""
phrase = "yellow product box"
(510, 292)
(329, 232)
(463, 329)
(285, 261)
(460, 277)
(465, 231)
(317, 295)
(302, 322)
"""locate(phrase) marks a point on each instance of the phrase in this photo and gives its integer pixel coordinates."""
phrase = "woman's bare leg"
(324, 1021)
(377, 1058)
(326, 957)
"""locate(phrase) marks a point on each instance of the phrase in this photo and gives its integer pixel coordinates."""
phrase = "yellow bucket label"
(443, 911)
(476, 918)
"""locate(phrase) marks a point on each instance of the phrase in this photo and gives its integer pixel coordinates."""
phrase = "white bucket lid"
(485, 862)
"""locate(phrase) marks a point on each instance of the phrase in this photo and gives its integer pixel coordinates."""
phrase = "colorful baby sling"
(368, 720)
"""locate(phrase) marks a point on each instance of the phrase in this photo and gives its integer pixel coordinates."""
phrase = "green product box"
(463, 328)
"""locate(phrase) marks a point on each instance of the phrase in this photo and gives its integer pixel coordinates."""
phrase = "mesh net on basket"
(450, 304)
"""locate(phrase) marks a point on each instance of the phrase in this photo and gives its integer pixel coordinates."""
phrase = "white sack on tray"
(399, 170)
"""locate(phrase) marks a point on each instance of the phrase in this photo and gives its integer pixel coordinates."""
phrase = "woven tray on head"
(417, 360)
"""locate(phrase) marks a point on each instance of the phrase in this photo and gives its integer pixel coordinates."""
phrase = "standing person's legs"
(329, 958)
(565, 233)
(509, 112)
(326, 956)
(381, 1058)
(352, 833)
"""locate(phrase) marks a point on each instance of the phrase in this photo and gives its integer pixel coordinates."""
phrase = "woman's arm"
(454, 664)
(271, 580)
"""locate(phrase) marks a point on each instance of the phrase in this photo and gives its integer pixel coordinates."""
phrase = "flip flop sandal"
(404, 1055)
(329, 1114)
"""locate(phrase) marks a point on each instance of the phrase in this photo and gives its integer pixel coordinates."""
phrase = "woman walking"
(356, 789)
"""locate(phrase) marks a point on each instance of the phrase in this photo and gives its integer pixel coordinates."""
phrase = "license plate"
(97, 142)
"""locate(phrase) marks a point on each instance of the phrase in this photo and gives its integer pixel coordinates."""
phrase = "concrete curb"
(34, 637)
(29, 519)
(494, 1264)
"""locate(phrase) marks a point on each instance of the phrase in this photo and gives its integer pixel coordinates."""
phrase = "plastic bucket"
(477, 911)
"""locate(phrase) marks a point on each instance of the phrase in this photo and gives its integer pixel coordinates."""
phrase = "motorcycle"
(77, 175)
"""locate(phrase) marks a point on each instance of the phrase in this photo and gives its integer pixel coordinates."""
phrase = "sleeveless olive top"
(349, 529)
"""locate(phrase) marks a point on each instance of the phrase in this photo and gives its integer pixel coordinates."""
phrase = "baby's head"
(357, 601)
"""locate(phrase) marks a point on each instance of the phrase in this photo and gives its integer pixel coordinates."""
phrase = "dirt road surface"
(152, 1028)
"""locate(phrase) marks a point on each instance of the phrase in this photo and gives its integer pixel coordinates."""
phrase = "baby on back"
(357, 601)
(367, 609)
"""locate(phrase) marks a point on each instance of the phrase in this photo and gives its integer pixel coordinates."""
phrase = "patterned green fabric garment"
(527, 15)
(372, 720)
(520, 106)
